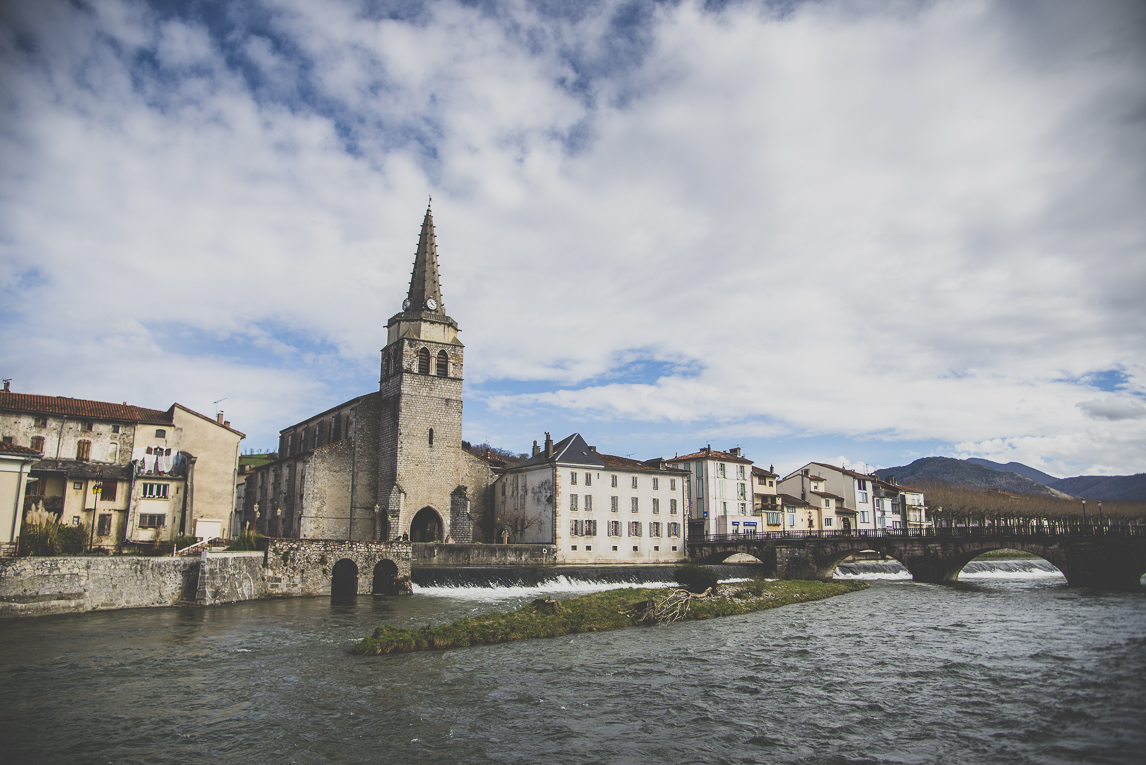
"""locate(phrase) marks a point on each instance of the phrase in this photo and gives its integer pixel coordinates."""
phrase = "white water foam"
(558, 585)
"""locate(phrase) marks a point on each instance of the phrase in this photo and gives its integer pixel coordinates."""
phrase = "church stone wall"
(326, 492)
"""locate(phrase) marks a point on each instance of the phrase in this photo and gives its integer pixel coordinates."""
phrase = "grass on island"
(609, 610)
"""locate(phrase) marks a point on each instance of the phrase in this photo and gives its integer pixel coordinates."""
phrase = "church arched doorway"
(344, 583)
(426, 526)
(385, 578)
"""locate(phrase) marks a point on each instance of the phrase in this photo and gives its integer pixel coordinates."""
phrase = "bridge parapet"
(307, 566)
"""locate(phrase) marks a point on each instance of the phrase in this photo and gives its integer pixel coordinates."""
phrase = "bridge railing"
(1024, 531)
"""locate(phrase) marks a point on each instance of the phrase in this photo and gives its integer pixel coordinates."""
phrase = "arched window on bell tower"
(443, 364)
(424, 361)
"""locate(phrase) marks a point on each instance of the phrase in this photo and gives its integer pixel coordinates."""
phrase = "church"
(389, 464)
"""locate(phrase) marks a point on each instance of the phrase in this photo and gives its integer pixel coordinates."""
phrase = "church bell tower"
(420, 429)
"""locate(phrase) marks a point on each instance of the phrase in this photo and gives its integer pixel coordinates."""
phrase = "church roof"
(425, 283)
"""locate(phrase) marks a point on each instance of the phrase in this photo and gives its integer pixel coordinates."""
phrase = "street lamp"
(256, 523)
(1084, 522)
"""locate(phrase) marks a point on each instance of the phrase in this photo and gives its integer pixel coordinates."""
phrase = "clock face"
(432, 304)
(406, 304)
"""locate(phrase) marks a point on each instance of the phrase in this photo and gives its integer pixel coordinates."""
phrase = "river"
(1008, 666)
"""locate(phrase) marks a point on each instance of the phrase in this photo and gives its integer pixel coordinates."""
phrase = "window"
(742, 491)
(672, 484)
(654, 529)
(613, 504)
(674, 530)
(424, 361)
(41, 422)
(77, 485)
(155, 490)
(672, 507)
(863, 497)
(634, 506)
(108, 490)
(743, 509)
(37, 443)
(724, 508)
(151, 521)
(89, 426)
(104, 527)
(634, 482)
(614, 529)
(656, 484)
(656, 506)
(112, 452)
(573, 502)
(771, 483)
(590, 528)
(791, 520)
(431, 436)
(699, 487)
(573, 479)
(827, 523)
(114, 428)
(827, 503)
(720, 470)
(634, 528)
(588, 503)
(443, 364)
(83, 450)
(773, 519)
(588, 479)
(614, 483)
(865, 516)
(862, 484)
(161, 433)
(740, 472)
(575, 528)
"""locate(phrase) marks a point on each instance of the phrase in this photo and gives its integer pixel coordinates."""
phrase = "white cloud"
(909, 222)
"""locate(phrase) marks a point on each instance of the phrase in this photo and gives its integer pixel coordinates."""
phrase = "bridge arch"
(960, 561)
(344, 580)
(427, 526)
(386, 578)
(827, 568)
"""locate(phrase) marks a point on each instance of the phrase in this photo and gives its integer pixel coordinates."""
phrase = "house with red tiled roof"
(856, 500)
(592, 507)
(128, 474)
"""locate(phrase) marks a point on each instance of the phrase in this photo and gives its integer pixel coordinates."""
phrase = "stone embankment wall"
(41, 586)
(483, 555)
(230, 577)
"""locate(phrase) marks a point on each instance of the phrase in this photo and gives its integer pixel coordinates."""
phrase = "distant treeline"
(497, 453)
(961, 504)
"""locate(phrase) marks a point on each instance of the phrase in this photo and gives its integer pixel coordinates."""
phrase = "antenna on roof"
(217, 411)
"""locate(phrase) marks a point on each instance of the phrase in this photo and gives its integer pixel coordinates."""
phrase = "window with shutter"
(443, 364)
(424, 361)
(83, 450)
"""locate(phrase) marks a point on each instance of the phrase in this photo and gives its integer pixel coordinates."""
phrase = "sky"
(852, 232)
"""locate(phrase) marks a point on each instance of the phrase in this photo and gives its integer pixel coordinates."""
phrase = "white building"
(720, 499)
(858, 501)
(594, 508)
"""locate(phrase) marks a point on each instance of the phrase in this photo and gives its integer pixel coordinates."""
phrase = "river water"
(1009, 666)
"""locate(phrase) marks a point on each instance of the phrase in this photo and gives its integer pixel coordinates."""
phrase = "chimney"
(6, 384)
(219, 418)
(226, 423)
(593, 449)
(548, 445)
(707, 449)
(891, 480)
(536, 449)
(734, 451)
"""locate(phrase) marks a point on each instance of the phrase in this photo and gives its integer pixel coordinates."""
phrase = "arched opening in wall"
(344, 583)
(742, 566)
(431, 436)
(870, 565)
(424, 361)
(426, 526)
(385, 578)
(1005, 563)
(443, 364)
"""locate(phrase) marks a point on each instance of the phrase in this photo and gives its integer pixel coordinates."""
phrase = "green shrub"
(696, 578)
(184, 540)
(247, 541)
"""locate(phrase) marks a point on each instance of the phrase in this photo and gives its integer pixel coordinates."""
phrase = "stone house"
(593, 507)
(388, 464)
(720, 498)
(131, 474)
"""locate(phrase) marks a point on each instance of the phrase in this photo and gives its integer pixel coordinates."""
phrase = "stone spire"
(424, 283)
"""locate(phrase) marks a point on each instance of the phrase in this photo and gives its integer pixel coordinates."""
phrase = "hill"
(1113, 488)
(965, 473)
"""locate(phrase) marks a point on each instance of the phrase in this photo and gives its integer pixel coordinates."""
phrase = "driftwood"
(673, 607)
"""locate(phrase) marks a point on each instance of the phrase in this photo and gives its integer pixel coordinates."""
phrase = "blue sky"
(857, 234)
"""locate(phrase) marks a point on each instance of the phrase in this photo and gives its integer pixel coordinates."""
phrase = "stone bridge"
(336, 567)
(1111, 558)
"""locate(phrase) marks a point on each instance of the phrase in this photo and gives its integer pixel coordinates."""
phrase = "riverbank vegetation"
(601, 611)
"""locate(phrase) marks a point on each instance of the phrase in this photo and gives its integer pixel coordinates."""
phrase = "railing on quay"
(941, 532)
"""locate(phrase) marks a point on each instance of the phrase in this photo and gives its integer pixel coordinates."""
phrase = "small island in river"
(600, 611)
